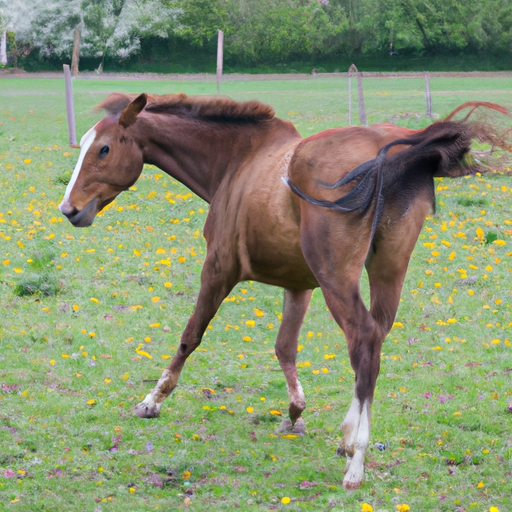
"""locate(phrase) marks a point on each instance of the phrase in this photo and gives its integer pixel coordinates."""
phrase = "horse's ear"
(131, 112)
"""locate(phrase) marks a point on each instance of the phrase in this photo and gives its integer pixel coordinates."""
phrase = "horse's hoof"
(351, 486)
(300, 427)
(286, 427)
(147, 410)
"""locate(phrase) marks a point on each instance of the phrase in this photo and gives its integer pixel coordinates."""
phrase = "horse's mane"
(212, 107)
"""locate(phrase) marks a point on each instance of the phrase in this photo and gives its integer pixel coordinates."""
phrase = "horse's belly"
(278, 264)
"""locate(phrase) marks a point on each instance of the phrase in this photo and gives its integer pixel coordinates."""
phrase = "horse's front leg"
(215, 286)
(295, 307)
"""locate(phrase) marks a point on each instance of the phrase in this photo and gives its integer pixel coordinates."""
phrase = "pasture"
(91, 317)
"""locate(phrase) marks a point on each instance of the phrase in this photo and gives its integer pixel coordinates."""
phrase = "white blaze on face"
(85, 144)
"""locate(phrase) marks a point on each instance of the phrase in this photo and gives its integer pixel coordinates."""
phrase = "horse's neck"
(197, 154)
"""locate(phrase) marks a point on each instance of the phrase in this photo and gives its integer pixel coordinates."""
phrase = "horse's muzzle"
(82, 218)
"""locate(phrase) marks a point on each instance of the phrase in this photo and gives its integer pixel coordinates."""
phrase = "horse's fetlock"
(294, 411)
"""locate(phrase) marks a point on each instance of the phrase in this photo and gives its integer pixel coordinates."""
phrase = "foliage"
(73, 365)
(297, 28)
(265, 31)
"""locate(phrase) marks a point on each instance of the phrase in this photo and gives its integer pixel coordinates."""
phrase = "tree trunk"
(76, 53)
(3, 48)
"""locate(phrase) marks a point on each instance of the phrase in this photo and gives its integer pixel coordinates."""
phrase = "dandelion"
(143, 352)
(366, 507)
(285, 500)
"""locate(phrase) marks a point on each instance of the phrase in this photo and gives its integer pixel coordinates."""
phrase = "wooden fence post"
(362, 110)
(70, 108)
(76, 53)
(349, 98)
(220, 57)
(428, 96)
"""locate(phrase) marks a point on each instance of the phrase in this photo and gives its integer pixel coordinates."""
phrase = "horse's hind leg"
(295, 307)
(386, 265)
(335, 247)
(215, 286)
(364, 338)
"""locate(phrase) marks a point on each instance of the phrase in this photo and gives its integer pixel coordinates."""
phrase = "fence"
(353, 71)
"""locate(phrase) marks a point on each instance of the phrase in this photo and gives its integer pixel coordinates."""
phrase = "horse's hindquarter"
(254, 225)
(328, 156)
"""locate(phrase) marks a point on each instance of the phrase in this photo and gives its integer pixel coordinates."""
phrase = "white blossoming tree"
(109, 28)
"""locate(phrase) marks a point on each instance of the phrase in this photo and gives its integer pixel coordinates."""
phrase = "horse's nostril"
(68, 210)
(72, 213)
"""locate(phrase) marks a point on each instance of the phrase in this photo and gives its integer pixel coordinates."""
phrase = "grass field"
(91, 317)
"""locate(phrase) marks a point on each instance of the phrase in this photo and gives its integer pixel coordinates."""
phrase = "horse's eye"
(104, 151)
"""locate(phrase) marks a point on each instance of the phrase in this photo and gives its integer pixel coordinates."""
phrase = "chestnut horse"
(298, 235)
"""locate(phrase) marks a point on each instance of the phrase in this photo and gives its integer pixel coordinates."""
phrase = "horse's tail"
(440, 150)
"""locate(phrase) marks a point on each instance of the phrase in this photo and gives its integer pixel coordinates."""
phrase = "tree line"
(258, 31)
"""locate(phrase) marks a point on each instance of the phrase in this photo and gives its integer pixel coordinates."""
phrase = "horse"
(276, 216)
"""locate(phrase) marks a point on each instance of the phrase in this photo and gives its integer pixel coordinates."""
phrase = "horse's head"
(110, 161)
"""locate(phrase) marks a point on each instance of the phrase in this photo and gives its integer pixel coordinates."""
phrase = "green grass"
(73, 362)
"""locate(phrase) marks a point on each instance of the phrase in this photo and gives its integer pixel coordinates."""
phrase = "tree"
(110, 28)
(258, 30)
